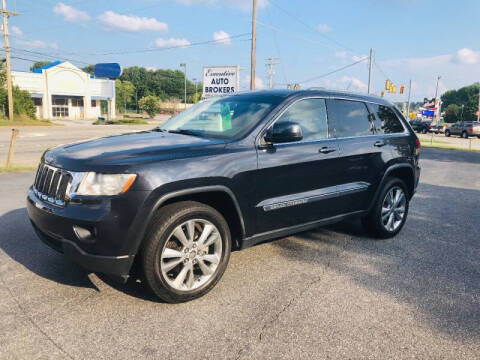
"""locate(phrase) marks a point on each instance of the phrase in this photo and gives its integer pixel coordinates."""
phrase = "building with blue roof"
(60, 90)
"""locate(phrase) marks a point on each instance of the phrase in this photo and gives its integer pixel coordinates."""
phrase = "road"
(330, 293)
(34, 140)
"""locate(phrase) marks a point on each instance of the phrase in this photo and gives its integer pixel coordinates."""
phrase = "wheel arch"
(405, 172)
(220, 197)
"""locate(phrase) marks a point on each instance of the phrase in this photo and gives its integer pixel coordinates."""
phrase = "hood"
(123, 151)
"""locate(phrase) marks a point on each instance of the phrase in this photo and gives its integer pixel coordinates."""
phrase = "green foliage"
(150, 104)
(125, 92)
(467, 96)
(452, 113)
(164, 84)
(39, 64)
(22, 102)
(88, 69)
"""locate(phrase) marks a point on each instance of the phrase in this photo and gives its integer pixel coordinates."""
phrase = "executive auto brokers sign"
(220, 80)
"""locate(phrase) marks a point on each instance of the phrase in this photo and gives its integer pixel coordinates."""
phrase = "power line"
(310, 26)
(332, 72)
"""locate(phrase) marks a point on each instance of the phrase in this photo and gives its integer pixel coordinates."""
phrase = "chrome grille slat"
(51, 184)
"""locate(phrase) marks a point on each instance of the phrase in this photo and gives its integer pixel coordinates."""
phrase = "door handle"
(326, 150)
(379, 143)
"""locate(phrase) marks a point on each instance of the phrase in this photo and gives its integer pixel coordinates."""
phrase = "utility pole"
(254, 45)
(437, 101)
(478, 112)
(271, 71)
(184, 65)
(409, 94)
(370, 69)
(195, 83)
(6, 14)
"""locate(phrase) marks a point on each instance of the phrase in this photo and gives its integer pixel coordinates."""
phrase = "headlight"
(95, 184)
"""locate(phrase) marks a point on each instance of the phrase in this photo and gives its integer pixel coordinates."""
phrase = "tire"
(196, 269)
(478, 136)
(464, 135)
(447, 133)
(424, 131)
(373, 221)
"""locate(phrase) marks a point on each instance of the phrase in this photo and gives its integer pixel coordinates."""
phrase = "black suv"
(421, 126)
(225, 174)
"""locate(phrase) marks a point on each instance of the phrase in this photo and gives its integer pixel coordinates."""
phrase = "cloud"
(324, 28)
(38, 44)
(466, 56)
(116, 21)
(352, 82)
(165, 43)
(222, 38)
(71, 14)
(358, 57)
(259, 84)
(17, 31)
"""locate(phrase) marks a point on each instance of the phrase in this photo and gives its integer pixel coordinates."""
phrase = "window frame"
(262, 133)
(370, 114)
(397, 115)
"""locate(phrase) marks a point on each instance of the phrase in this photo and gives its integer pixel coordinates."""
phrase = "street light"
(185, 71)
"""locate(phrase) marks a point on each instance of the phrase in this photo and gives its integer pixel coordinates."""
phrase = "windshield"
(226, 118)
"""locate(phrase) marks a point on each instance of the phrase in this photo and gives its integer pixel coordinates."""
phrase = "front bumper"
(109, 251)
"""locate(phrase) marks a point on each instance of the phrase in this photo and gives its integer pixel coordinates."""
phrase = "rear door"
(361, 153)
(296, 181)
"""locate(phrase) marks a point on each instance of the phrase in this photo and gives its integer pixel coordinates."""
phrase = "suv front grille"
(51, 184)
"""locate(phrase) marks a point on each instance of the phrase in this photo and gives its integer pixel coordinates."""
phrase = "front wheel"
(390, 211)
(464, 135)
(186, 251)
(447, 133)
(424, 131)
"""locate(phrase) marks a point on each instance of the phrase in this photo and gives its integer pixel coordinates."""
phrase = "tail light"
(471, 129)
(429, 126)
(418, 145)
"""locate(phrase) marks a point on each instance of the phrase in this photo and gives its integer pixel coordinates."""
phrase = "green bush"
(150, 104)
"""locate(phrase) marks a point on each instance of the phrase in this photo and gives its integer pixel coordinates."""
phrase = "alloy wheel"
(393, 208)
(191, 255)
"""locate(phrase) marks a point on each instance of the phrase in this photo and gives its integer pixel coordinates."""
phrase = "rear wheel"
(186, 251)
(447, 133)
(390, 211)
(424, 131)
(464, 135)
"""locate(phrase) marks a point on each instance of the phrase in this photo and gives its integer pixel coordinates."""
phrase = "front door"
(296, 181)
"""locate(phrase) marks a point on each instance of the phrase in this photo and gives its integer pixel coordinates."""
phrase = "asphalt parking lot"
(330, 293)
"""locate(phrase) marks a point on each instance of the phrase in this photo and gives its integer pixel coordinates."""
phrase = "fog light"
(83, 234)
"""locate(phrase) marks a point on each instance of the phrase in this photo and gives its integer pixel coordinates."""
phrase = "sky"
(416, 40)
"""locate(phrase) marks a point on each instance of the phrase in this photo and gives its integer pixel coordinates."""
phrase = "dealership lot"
(329, 293)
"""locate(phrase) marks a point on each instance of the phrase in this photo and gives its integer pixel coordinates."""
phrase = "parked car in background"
(421, 126)
(228, 173)
(464, 129)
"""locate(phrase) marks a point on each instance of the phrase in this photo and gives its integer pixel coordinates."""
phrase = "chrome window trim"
(277, 116)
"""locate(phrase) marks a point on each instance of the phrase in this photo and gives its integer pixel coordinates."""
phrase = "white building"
(60, 90)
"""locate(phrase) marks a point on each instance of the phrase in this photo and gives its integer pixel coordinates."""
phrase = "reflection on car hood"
(129, 149)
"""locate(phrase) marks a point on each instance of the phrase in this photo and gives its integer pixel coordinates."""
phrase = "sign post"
(220, 80)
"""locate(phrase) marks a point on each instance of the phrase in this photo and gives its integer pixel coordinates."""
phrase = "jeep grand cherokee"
(225, 174)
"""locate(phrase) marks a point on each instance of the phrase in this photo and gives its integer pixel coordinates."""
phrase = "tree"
(150, 104)
(39, 64)
(124, 94)
(452, 113)
(88, 69)
(466, 96)
(22, 102)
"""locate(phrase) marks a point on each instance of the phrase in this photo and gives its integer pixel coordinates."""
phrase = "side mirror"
(284, 132)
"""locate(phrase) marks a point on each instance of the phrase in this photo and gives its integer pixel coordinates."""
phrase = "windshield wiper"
(185, 132)
(159, 129)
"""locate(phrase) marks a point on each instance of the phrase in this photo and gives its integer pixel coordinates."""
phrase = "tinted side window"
(386, 121)
(311, 115)
(350, 118)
